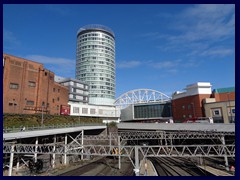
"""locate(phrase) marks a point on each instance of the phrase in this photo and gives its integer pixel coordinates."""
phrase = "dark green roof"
(224, 90)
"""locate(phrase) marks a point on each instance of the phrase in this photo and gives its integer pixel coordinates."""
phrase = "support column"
(36, 146)
(119, 152)
(137, 168)
(110, 140)
(225, 156)
(17, 166)
(54, 148)
(65, 150)
(11, 161)
(82, 144)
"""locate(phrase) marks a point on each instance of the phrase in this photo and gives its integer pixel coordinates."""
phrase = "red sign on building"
(65, 110)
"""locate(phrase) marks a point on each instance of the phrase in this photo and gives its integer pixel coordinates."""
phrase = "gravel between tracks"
(100, 166)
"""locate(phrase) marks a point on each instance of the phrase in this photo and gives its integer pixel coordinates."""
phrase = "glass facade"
(95, 63)
(152, 111)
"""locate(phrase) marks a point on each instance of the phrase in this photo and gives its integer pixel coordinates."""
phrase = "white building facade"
(107, 113)
(77, 90)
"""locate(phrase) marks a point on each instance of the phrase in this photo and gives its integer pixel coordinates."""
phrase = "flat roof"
(179, 126)
(224, 90)
(47, 132)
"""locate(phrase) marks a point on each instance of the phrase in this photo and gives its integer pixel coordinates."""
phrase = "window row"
(109, 44)
(16, 85)
(94, 43)
(96, 47)
(95, 39)
(102, 96)
(95, 52)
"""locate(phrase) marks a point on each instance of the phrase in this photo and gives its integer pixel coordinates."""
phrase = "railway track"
(176, 167)
(103, 167)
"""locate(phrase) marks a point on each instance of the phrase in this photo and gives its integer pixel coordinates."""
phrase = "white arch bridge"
(141, 96)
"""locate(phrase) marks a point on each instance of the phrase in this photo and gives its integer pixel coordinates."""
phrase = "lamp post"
(42, 113)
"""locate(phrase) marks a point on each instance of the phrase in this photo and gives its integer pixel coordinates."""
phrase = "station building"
(147, 112)
(29, 88)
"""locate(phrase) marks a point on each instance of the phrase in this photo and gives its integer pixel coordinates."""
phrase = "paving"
(214, 171)
(147, 168)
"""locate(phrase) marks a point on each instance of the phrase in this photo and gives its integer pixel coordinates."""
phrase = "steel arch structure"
(141, 96)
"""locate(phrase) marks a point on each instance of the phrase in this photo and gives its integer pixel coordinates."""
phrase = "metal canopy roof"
(29, 134)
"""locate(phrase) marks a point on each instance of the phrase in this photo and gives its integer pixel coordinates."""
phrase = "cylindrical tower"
(96, 62)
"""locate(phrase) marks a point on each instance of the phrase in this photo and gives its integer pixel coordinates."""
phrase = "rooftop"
(96, 27)
(224, 90)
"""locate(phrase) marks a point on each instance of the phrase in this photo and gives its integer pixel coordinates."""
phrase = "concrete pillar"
(110, 140)
(54, 148)
(225, 157)
(119, 152)
(65, 150)
(35, 154)
(17, 167)
(11, 161)
(82, 143)
(137, 168)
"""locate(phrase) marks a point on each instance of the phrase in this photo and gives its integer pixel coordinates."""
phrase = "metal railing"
(44, 127)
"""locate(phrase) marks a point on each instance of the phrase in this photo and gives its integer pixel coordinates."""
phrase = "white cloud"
(128, 64)
(197, 28)
(217, 52)
(10, 39)
(165, 64)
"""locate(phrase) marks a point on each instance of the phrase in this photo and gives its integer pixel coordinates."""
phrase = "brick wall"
(26, 85)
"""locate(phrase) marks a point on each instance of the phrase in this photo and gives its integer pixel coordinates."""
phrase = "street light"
(42, 113)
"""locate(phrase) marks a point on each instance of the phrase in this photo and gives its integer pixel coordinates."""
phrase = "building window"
(92, 111)
(31, 103)
(75, 110)
(184, 116)
(183, 107)
(31, 84)
(45, 73)
(14, 86)
(233, 111)
(57, 107)
(100, 111)
(216, 112)
(85, 110)
(190, 116)
(58, 99)
(58, 90)
(53, 89)
(189, 106)
(53, 100)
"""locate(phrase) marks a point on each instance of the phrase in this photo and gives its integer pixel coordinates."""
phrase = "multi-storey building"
(188, 104)
(28, 88)
(78, 91)
(95, 63)
(200, 101)
(221, 105)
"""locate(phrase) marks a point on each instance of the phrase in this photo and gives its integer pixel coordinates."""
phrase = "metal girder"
(105, 150)
(143, 135)
(141, 96)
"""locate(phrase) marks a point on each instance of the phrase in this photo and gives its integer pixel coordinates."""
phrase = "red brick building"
(28, 88)
(200, 101)
(189, 104)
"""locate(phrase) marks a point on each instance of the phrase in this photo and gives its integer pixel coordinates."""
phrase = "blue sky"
(161, 47)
